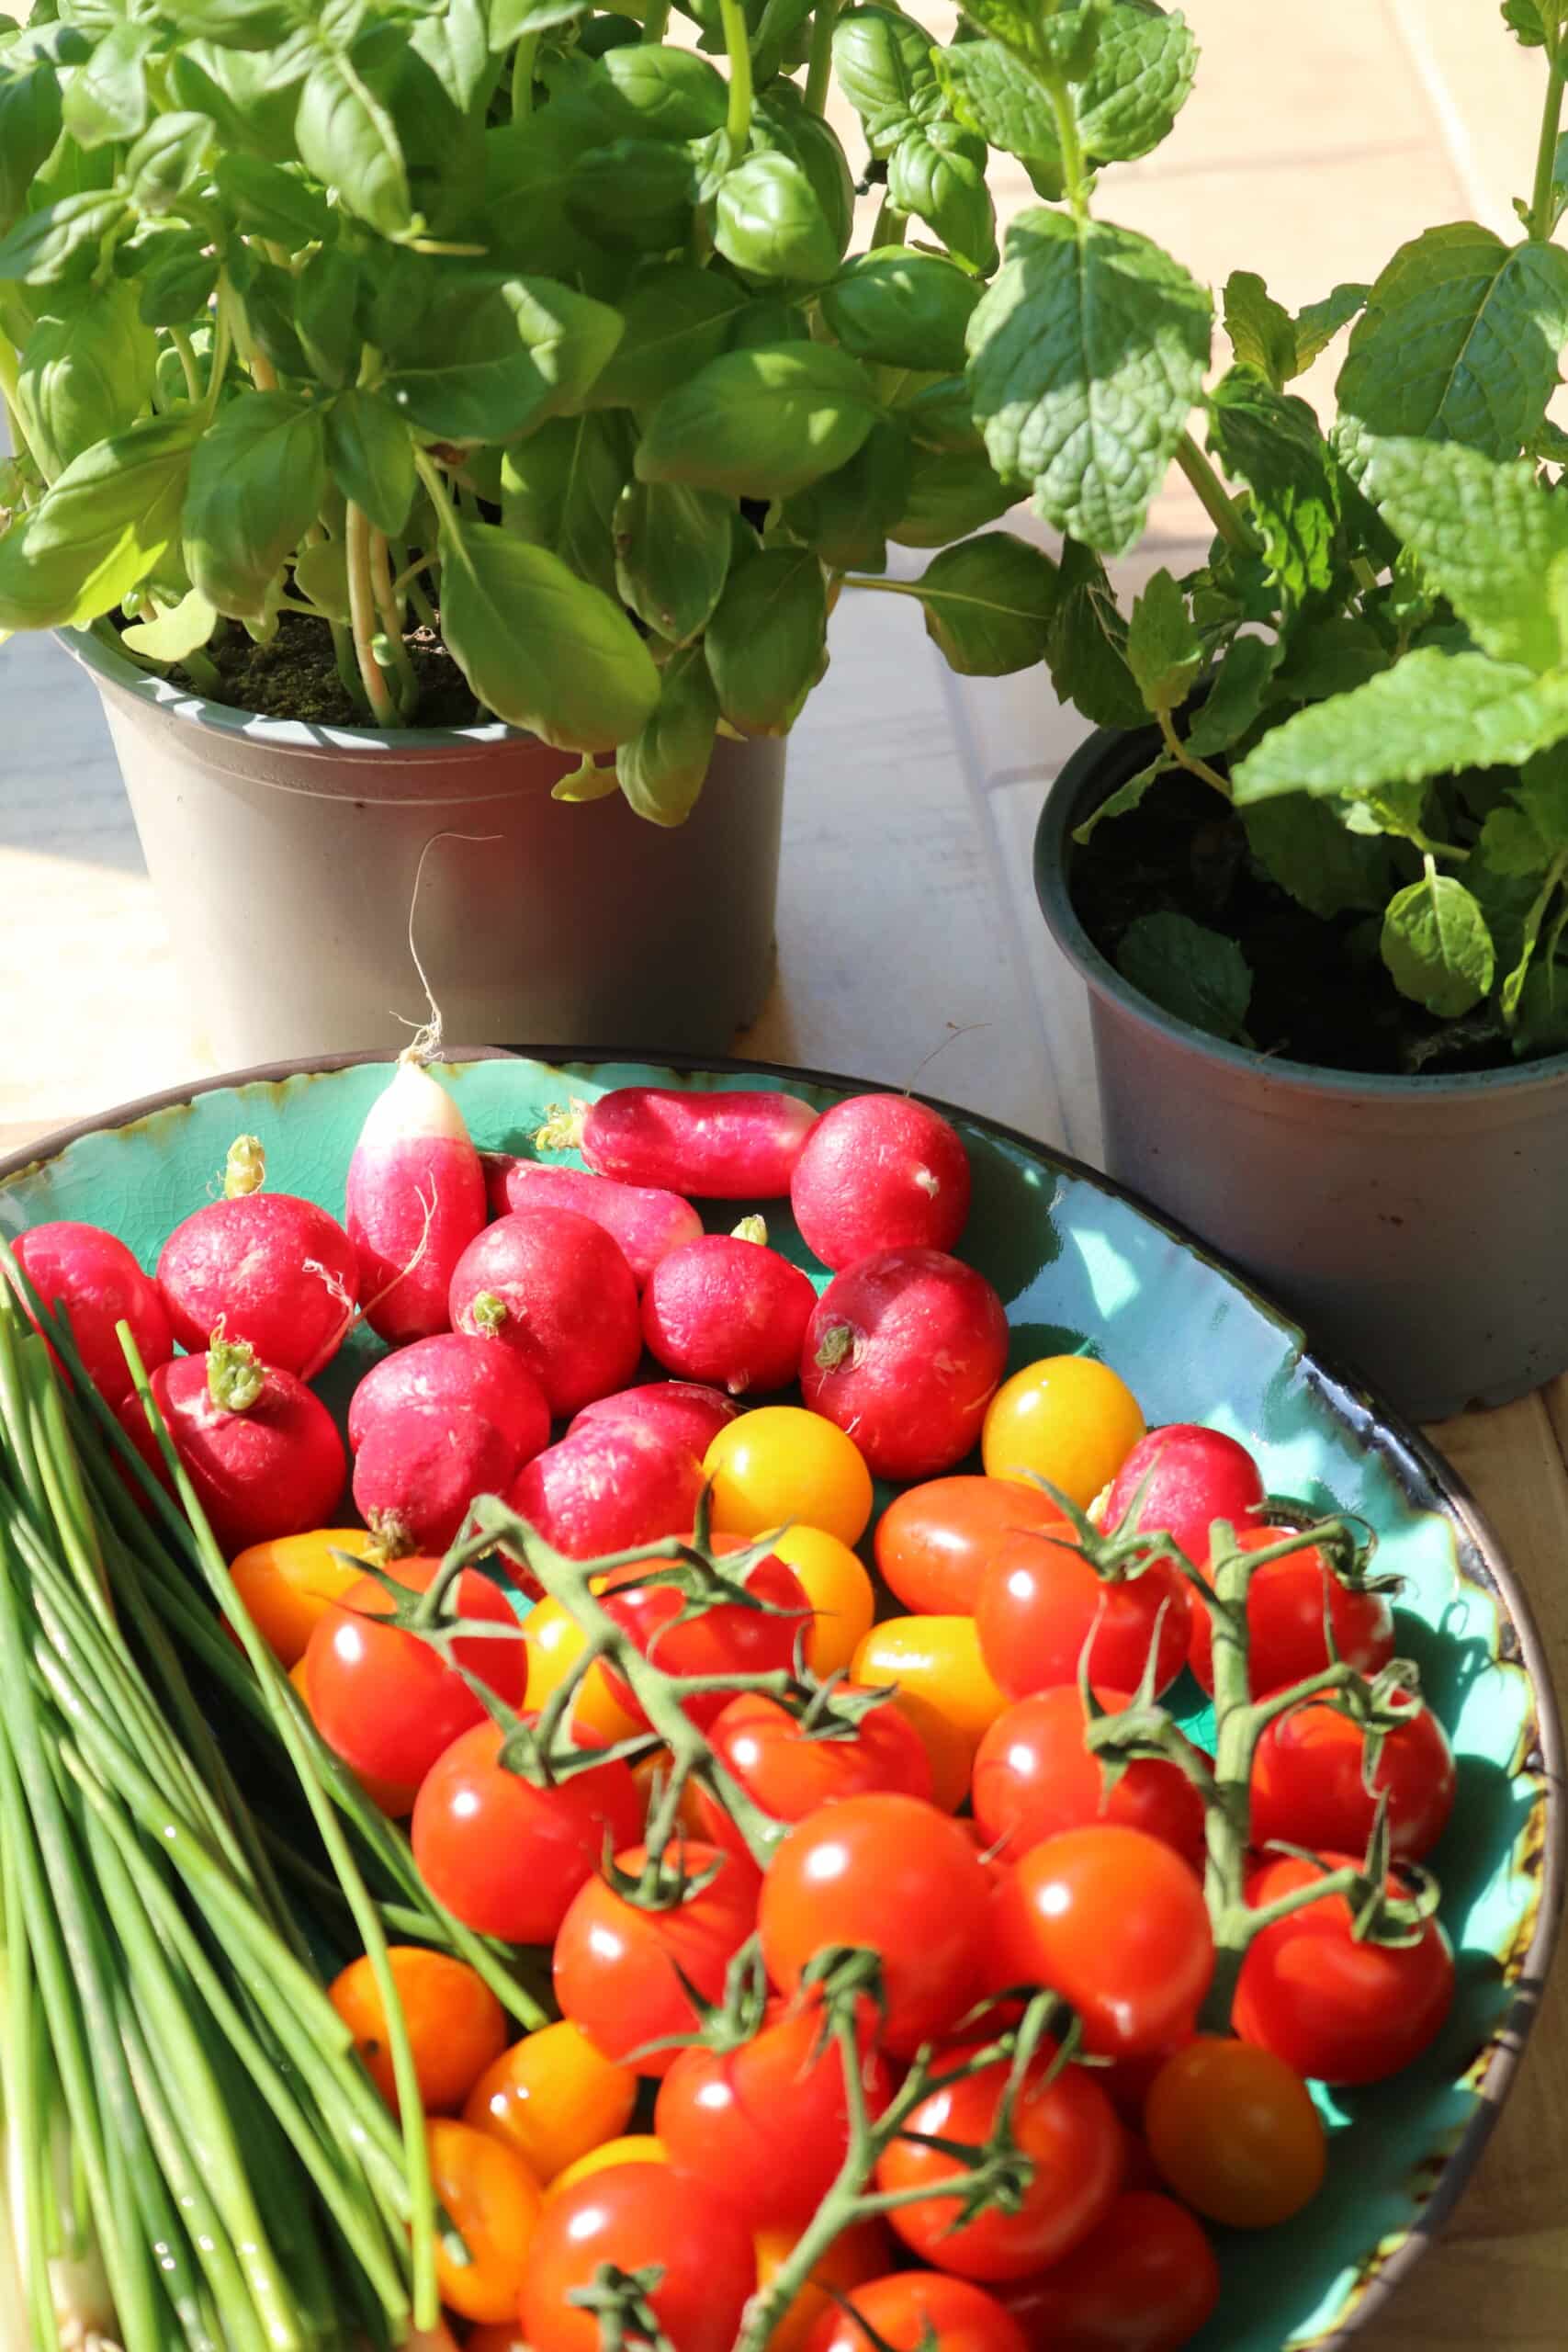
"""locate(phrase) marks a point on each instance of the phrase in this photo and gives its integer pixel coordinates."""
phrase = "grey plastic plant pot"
(285, 857)
(1419, 1227)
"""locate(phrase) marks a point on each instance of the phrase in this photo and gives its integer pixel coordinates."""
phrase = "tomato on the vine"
(1034, 1776)
(935, 1542)
(1309, 1784)
(918, 2311)
(1042, 1603)
(895, 1876)
(1065, 2126)
(383, 1699)
(1331, 2004)
(495, 2202)
(616, 1961)
(728, 1638)
(1145, 2280)
(555, 1641)
(456, 2026)
(766, 2126)
(866, 2251)
(637, 2217)
(1234, 2131)
(551, 2098)
(789, 1769)
(1116, 1923)
(1286, 1603)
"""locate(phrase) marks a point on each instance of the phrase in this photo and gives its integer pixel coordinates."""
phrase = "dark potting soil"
(295, 676)
(1320, 991)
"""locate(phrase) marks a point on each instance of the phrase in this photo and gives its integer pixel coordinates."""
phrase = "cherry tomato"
(937, 1660)
(843, 1599)
(1235, 2133)
(1285, 1604)
(935, 1542)
(551, 2098)
(652, 1773)
(729, 1638)
(506, 2336)
(494, 2200)
(1115, 1922)
(864, 2252)
(288, 1584)
(1034, 1776)
(782, 1462)
(766, 2127)
(383, 1698)
(1339, 2009)
(507, 1856)
(790, 1769)
(457, 2027)
(555, 1641)
(1065, 1419)
(1042, 1603)
(896, 1877)
(396, 1802)
(1308, 1784)
(919, 2311)
(1145, 2280)
(634, 2217)
(1065, 2126)
(1181, 1479)
(632, 2148)
(616, 1963)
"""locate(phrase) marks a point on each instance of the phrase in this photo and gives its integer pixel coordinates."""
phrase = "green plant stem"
(890, 227)
(820, 59)
(362, 613)
(523, 76)
(1074, 174)
(222, 340)
(1184, 758)
(1542, 199)
(391, 619)
(1215, 499)
(738, 47)
(654, 23)
(184, 345)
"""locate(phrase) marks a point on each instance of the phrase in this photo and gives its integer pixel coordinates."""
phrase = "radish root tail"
(426, 1045)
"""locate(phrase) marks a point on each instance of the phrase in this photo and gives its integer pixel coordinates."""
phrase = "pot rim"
(1080, 776)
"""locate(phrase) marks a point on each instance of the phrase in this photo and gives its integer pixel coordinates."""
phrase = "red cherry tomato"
(615, 1961)
(1182, 1478)
(1309, 1787)
(1067, 2129)
(1333, 2007)
(382, 1699)
(1034, 1776)
(507, 1856)
(729, 1638)
(765, 2127)
(790, 1769)
(935, 1542)
(918, 2311)
(637, 2217)
(1145, 2280)
(895, 1875)
(1116, 1923)
(1285, 1620)
(1041, 1603)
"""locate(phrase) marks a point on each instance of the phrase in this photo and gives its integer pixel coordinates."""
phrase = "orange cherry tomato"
(505, 2337)
(457, 2027)
(865, 2252)
(935, 1542)
(396, 1802)
(1235, 2133)
(494, 2200)
(919, 2311)
(551, 2098)
(288, 1584)
(633, 2148)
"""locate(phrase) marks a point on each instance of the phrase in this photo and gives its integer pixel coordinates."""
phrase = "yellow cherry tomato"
(555, 1641)
(782, 1462)
(839, 1589)
(637, 2148)
(290, 1582)
(494, 2200)
(386, 1796)
(1068, 1420)
(945, 1688)
(865, 2252)
(552, 2099)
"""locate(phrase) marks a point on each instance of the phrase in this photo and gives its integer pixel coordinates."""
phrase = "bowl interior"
(1080, 1266)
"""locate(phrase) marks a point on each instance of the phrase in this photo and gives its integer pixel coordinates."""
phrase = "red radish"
(416, 1199)
(682, 1411)
(453, 1368)
(97, 1282)
(718, 1147)
(904, 1352)
(260, 1450)
(1189, 1477)
(728, 1310)
(607, 1488)
(551, 1286)
(880, 1171)
(276, 1271)
(647, 1223)
(419, 1469)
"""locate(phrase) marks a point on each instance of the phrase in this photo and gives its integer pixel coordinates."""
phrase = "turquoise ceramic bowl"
(1078, 1262)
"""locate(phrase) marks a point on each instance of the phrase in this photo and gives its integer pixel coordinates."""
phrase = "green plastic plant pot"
(285, 857)
(1415, 1225)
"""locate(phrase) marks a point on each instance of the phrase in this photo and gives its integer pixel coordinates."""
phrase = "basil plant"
(512, 327)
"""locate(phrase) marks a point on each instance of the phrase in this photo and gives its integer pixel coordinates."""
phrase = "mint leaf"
(1087, 354)
(1534, 20)
(1437, 946)
(1196, 974)
(1262, 332)
(1086, 643)
(1303, 845)
(1125, 798)
(987, 604)
(1162, 651)
(1529, 831)
(1459, 342)
(1513, 844)
(1333, 657)
(1486, 534)
(1236, 697)
(1317, 326)
(993, 93)
(1433, 712)
(1137, 85)
(1274, 445)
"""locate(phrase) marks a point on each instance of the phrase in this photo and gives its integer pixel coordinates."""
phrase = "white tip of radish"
(562, 1130)
(926, 1181)
(751, 1228)
(415, 1106)
(244, 1170)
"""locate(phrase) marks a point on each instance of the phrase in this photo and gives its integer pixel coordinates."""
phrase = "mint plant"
(504, 326)
(1372, 665)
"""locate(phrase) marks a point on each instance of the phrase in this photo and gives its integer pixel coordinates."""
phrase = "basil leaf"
(539, 647)
(939, 415)
(950, 494)
(269, 202)
(781, 123)
(1086, 643)
(349, 141)
(883, 61)
(106, 99)
(499, 363)
(453, 42)
(770, 224)
(671, 555)
(1193, 973)
(253, 99)
(60, 245)
(29, 127)
(84, 376)
(174, 635)
(511, 19)
(767, 643)
(1436, 945)
(849, 515)
(101, 530)
(233, 24)
(938, 172)
(761, 423)
(988, 604)
(673, 93)
(675, 320)
(256, 482)
(527, 169)
(370, 453)
(167, 161)
(902, 310)
(662, 769)
(559, 487)
(178, 279)
(1488, 535)
(636, 192)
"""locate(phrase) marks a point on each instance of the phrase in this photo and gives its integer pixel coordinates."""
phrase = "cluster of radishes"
(517, 1295)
